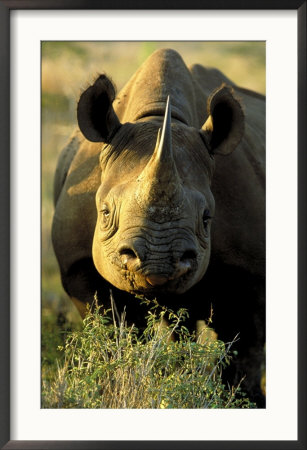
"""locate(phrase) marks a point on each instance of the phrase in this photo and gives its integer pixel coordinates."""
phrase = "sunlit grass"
(108, 364)
(69, 67)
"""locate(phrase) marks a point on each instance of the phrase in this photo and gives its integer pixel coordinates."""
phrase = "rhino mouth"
(149, 282)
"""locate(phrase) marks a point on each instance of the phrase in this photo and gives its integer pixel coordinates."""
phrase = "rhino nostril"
(188, 255)
(127, 252)
(131, 254)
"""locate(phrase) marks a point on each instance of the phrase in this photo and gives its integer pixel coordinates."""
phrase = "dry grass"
(66, 69)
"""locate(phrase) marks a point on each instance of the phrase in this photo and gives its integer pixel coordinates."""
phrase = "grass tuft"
(108, 364)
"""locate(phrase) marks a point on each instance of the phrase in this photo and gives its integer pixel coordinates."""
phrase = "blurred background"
(69, 67)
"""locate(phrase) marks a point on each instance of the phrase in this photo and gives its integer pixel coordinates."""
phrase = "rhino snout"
(133, 258)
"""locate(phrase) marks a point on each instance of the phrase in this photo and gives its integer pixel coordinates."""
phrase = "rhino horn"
(159, 182)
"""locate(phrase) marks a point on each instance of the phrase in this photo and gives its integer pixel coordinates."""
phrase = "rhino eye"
(105, 211)
(206, 218)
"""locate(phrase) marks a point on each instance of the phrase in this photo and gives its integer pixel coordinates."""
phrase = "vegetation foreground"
(107, 364)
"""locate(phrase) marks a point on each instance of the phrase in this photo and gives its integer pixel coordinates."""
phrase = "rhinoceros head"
(154, 204)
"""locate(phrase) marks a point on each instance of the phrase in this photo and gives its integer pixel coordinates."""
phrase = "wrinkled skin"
(148, 248)
(177, 214)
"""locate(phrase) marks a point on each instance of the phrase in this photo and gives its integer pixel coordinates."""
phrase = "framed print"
(50, 54)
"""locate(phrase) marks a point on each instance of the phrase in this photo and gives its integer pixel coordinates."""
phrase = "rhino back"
(75, 212)
(238, 185)
(163, 73)
(63, 164)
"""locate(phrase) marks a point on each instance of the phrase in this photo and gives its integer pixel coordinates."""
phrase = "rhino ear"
(96, 117)
(224, 128)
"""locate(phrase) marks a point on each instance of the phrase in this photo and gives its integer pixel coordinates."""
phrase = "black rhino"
(146, 201)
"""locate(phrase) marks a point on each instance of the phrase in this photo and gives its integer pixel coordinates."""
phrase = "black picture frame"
(6, 6)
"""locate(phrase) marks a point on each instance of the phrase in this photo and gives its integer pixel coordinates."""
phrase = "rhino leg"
(239, 310)
(81, 306)
(82, 282)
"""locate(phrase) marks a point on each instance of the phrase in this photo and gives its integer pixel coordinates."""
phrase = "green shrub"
(110, 365)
